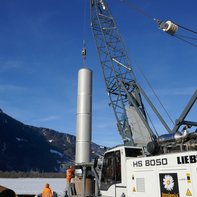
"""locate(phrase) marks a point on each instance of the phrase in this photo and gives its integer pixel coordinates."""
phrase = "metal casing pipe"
(84, 116)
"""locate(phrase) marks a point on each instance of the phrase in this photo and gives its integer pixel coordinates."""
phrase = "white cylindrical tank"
(84, 116)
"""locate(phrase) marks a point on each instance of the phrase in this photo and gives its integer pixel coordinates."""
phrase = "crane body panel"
(126, 173)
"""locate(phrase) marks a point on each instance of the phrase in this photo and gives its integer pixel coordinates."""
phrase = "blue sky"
(40, 55)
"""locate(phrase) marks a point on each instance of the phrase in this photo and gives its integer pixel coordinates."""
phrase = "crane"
(118, 75)
(126, 169)
(125, 93)
(121, 85)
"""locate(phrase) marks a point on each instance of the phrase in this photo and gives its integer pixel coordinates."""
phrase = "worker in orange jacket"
(69, 174)
(47, 191)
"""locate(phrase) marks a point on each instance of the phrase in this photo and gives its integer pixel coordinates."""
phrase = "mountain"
(28, 148)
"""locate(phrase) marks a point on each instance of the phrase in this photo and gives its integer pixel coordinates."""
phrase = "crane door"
(111, 174)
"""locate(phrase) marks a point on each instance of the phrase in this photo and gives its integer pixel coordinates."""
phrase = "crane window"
(133, 152)
(111, 172)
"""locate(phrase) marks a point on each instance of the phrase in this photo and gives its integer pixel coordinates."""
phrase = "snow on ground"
(56, 152)
(34, 185)
(21, 140)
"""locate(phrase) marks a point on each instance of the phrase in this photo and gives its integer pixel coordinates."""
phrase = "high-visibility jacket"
(47, 192)
(69, 174)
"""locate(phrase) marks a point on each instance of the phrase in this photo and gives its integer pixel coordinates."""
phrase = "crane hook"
(83, 52)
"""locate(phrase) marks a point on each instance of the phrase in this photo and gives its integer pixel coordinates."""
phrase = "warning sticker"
(188, 193)
(188, 178)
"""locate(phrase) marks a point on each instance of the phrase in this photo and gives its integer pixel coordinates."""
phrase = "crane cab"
(128, 172)
(113, 176)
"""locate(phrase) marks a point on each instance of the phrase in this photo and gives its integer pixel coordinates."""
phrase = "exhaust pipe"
(178, 137)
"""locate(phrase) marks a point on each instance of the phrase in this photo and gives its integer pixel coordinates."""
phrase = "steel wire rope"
(157, 97)
(151, 122)
(133, 6)
(154, 92)
(178, 37)
(148, 15)
(84, 20)
(83, 53)
(188, 37)
(181, 37)
(195, 32)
